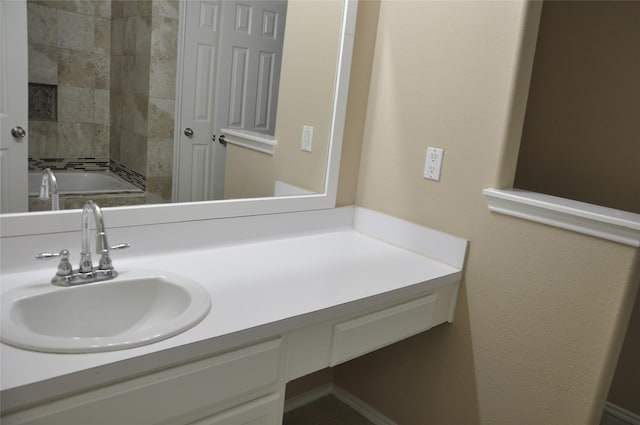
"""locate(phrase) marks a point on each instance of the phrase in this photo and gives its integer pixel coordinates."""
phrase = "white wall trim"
(344, 396)
(594, 220)
(307, 397)
(621, 414)
(361, 407)
(251, 140)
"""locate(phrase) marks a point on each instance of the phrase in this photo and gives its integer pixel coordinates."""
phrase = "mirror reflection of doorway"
(232, 54)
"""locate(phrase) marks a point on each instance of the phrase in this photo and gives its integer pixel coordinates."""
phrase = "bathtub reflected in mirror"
(76, 187)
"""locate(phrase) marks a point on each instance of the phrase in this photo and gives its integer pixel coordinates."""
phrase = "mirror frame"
(33, 223)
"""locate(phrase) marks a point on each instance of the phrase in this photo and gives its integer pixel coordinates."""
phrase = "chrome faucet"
(49, 186)
(102, 246)
(86, 273)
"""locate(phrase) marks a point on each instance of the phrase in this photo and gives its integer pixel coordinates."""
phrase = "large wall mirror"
(196, 118)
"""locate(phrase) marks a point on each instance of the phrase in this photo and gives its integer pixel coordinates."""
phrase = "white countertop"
(259, 289)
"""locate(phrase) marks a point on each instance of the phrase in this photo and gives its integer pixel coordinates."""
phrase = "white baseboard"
(308, 397)
(621, 414)
(361, 407)
(344, 396)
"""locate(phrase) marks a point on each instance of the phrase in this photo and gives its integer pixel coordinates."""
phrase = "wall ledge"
(594, 220)
(251, 140)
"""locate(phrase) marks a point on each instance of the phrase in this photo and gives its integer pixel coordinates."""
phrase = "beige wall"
(542, 311)
(363, 49)
(625, 388)
(582, 114)
(248, 173)
(307, 83)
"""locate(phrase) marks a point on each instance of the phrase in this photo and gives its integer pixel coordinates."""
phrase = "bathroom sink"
(136, 308)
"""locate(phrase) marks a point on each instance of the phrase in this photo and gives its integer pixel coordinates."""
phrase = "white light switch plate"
(307, 138)
(433, 163)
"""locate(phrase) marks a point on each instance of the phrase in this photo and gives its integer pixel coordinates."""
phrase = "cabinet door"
(264, 411)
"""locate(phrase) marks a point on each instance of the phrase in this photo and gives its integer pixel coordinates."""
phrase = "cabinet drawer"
(363, 334)
(264, 411)
(205, 386)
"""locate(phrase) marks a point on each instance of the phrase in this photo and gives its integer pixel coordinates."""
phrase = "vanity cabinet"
(213, 390)
(264, 411)
(246, 385)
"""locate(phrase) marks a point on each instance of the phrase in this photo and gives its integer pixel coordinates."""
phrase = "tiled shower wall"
(69, 48)
(114, 66)
(130, 51)
(162, 92)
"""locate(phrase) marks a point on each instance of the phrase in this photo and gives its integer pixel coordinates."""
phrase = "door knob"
(188, 132)
(18, 132)
(222, 140)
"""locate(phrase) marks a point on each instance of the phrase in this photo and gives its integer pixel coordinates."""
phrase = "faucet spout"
(49, 186)
(102, 246)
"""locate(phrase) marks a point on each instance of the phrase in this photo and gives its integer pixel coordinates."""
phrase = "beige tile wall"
(68, 47)
(131, 26)
(162, 89)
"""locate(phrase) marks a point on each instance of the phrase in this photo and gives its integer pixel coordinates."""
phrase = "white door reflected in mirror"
(13, 141)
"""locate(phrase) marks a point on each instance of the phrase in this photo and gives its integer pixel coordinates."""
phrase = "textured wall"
(542, 311)
(625, 388)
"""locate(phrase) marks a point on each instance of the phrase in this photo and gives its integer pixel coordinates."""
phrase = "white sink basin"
(136, 308)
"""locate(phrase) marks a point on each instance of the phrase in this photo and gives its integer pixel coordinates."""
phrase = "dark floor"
(325, 411)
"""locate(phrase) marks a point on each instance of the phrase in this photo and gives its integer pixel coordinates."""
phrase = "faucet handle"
(50, 255)
(114, 247)
(105, 259)
(120, 246)
(64, 267)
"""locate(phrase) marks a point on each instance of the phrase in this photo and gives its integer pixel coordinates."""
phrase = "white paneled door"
(13, 106)
(232, 53)
(200, 158)
(251, 54)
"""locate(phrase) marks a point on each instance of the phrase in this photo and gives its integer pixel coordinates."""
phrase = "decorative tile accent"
(69, 164)
(89, 164)
(43, 102)
(128, 174)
